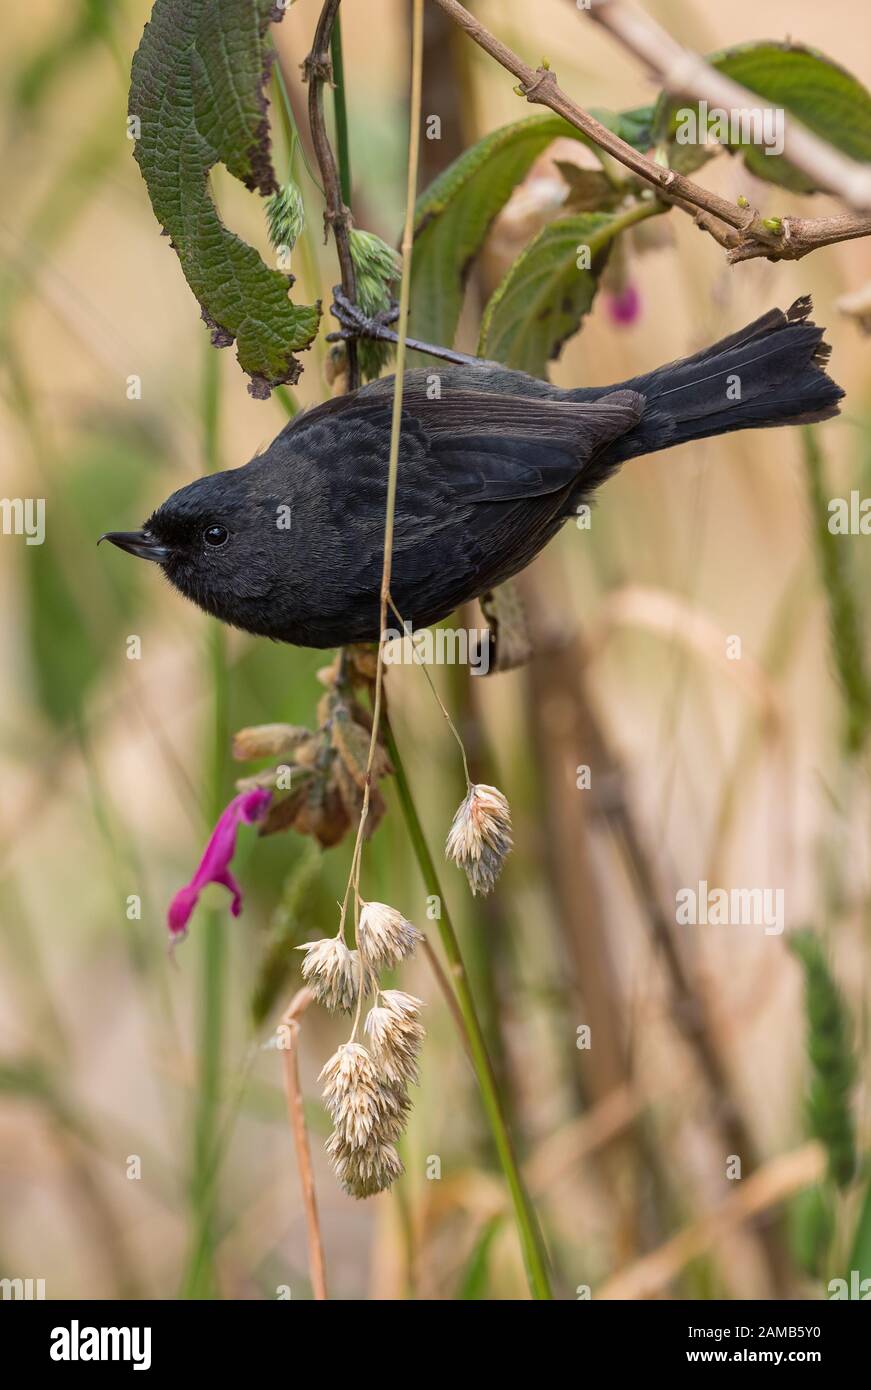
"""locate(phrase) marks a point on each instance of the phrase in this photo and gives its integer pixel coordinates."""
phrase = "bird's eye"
(216, 535)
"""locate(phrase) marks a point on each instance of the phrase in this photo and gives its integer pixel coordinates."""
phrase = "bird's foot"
(356, 324)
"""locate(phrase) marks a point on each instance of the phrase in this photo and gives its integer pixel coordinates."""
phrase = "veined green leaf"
(453, 215)
(805, 84)
(547, 291)
(197, 93)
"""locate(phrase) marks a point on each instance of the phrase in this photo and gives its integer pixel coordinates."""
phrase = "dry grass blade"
(296, 1115)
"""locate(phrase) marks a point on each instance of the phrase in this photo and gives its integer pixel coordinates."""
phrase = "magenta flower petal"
(214, 867)
(625, 306)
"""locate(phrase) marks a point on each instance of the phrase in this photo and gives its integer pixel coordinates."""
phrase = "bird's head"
(220, 541)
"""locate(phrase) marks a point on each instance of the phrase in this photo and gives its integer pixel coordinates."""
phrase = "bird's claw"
(355, 324)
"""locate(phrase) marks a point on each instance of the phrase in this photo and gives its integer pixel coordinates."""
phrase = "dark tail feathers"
(771, 373)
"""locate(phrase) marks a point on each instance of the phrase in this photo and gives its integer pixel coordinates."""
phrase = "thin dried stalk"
(318, 70)
(296, 1115)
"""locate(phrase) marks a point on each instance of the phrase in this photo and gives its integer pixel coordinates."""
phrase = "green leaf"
(545, 294)
(806, 84)
(635, 127)
(453, 215)
(197, 90)
(589, 190)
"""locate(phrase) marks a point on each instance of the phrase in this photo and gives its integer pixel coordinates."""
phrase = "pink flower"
(624, 307)
(214, 867)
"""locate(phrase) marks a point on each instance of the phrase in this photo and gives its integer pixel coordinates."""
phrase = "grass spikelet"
(480, 837)
(833, 1065)
(377, 268)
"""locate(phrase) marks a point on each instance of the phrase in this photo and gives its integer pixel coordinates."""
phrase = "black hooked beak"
(138, 543)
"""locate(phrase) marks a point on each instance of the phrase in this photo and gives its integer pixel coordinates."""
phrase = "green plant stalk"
(341, 111)
(531, 1240)
(310, 265)
(199, 1279)
(287, 400)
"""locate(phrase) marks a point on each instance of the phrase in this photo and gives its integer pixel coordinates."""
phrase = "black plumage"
(492, 462)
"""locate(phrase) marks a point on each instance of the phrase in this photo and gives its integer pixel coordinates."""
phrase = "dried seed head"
(480, 837)
(405, 1006)
(332, 973)
(362, 1104)
(355, 1095)
(384, 936)
(267, 741)
(395, 1109)
(396, 1035)
(365, 1170)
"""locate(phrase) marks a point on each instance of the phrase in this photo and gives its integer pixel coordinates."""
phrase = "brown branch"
(540, 86)
(683, 73)
(726, 237)
(801, 235)
(317, 71)
(796, 236)
(296, 1115)
(740, 230)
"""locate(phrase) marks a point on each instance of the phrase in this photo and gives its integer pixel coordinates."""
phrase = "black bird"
(491, 464)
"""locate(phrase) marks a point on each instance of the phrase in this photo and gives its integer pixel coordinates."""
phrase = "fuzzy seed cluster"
(480, 840)
(365, 1086)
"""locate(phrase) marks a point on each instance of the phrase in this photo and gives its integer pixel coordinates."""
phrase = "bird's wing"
(482, 486)
(495, 448)
(483, 446)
